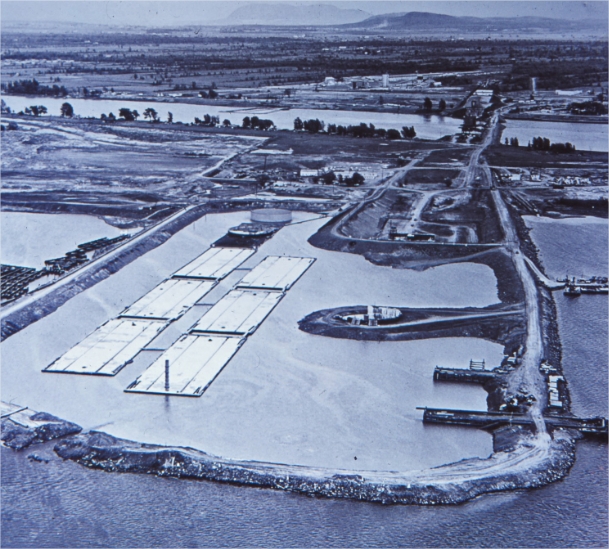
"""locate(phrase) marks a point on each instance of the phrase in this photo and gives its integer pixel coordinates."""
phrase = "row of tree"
(512, 141)
(362, 130)
(543, 144)
(212, 121)
(33, 87)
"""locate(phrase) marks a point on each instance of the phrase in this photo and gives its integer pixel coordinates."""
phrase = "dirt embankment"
(503, 324)
(421, 255)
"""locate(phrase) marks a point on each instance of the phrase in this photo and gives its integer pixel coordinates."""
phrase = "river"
(59, 504)
(427, 127)
(585, 137)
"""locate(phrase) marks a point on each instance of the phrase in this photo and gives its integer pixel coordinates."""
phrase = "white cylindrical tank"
(271, 215)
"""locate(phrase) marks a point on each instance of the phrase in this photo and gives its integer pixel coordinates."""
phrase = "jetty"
(492, 420)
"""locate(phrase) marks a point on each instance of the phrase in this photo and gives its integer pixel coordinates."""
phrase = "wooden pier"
(492, 420)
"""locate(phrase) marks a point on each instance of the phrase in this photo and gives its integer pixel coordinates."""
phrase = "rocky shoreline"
(449, 484)
(26, 428)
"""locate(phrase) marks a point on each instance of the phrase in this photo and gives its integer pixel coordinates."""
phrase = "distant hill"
(421, 21)
(280, 14)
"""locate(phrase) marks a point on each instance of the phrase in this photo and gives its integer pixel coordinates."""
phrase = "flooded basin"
(286, 396)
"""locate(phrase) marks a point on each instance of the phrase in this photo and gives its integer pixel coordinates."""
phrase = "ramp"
(215, 263)
(109, 348)
(170, 299)
(276, 273)
(194, 362)
(238, 312)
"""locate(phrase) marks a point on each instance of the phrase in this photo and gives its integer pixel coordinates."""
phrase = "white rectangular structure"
(170, 299)
(109, 348)
(276, 273)
(238, 312)
(194, 362)
(215, 263)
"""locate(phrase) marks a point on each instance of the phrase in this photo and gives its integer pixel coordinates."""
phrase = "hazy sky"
(179, 12)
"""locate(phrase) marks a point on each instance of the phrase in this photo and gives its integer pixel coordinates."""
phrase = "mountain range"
(287, 15)
(282, 14)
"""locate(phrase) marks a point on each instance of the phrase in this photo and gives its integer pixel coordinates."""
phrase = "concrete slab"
(170, 299)
(238, 312)
(276, 273)
(215, 263)
(194, 362)
(109, 348)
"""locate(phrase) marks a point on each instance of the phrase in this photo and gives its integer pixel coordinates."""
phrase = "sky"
(179, 12)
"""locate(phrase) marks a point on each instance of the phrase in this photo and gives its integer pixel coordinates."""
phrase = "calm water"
(427, 127)
(64, 505)
(585, 137)
(28, 239)
(287, 396)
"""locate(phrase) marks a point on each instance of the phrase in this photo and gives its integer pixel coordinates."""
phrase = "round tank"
(271, 215)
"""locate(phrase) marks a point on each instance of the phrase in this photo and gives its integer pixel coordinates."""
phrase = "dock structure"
(169, 300)
(191, 364)
(188, 367)
(109, 348)
(276, 273)
(462, 375)
(116, 343)
(239, 312)
(493, 420)
(215, 263)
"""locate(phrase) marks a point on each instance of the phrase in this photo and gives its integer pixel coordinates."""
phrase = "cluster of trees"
(329, 178)
(543, 144)
(256, 123)
(66, 110)
(312, 125)
(35, 110)
(588, 107)
(128, 114)
(209, 94)
(512, 141)
(33, 87)
(210, 121)
(361, 130)
(428, 105)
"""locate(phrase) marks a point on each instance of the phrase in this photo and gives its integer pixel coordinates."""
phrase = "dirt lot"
(426, 177)
(521, 157)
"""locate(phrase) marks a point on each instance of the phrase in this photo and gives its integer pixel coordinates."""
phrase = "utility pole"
(167, 375)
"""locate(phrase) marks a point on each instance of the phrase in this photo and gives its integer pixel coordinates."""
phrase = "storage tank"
(271, 215)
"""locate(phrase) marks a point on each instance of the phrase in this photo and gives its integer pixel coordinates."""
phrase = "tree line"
(315, 125)
(33, 87)
(543, 144)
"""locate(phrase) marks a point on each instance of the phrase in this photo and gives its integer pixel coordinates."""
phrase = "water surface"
(427, 127)
(585, 136)
(28, 239)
